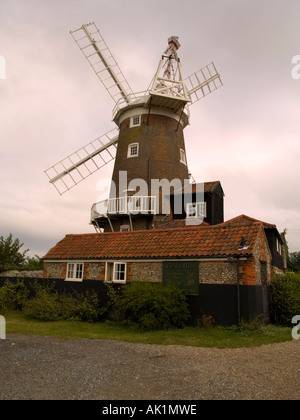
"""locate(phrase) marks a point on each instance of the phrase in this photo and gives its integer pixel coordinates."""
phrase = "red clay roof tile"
(203, 241)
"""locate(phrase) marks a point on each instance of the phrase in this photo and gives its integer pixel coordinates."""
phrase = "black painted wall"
(219, 301)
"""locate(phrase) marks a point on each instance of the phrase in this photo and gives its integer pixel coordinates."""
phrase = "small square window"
(135, 121)
(133, 150)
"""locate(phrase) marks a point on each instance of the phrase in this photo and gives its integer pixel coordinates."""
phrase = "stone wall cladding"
(22, 274)
(217, 272)
(94, 271)
(147, 272)
(54, 270)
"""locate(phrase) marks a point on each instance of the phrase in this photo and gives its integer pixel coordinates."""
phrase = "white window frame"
(112, 272)
(182, 156)
(75, 271)
(129, 152)
(124, 228)
(135, 121)
(199, 207)
(278, 246)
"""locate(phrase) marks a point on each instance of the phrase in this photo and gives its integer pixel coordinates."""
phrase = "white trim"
(183, 157)
(141, 110)
(158, 260)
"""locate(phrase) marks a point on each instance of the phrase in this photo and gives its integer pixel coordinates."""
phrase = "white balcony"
(125, 205)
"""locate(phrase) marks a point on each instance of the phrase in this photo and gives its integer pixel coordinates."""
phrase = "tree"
(11, 258)
(33, 263)
(294, 261)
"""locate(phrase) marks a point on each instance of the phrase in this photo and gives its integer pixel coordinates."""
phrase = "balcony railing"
(124, 205)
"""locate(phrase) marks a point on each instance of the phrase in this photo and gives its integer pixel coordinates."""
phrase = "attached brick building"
(225, 269)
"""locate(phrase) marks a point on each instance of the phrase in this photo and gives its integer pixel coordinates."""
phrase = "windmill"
(147, 142)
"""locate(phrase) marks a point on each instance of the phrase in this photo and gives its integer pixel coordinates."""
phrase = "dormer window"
(133, 150)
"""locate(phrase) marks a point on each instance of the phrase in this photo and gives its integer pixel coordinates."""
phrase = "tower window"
(182, 156)
(135, 121)
(133, 150)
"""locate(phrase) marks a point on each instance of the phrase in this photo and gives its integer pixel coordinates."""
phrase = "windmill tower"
(147, 145)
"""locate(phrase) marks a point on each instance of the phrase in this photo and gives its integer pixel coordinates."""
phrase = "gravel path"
(37, 367)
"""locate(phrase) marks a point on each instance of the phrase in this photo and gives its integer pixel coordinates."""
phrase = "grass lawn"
(220, 337)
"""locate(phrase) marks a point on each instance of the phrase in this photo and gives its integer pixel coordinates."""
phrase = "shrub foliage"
(151, 306)
(285, 298)
(43, 302)
(13, 296)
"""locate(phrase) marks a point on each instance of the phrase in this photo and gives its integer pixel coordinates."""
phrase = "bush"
(43, 302)
(49, 305)
(13, 296)
(285, 298)
(80, 306)
(44, 306)
(151, 306)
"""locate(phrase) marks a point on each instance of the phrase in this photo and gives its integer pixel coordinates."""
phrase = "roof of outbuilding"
(205, 187)
(190, 242)
(244, 220)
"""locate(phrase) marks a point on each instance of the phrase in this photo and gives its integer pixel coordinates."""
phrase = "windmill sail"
(203, 82)
(84, 162)
(95, 50)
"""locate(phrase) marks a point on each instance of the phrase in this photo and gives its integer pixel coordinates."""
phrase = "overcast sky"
(245, 134)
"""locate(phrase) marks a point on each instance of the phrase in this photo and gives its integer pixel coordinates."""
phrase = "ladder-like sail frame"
(97, 53)
(76, 167)
(203, 82)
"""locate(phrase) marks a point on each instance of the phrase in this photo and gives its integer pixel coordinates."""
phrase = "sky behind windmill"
(245, 134)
